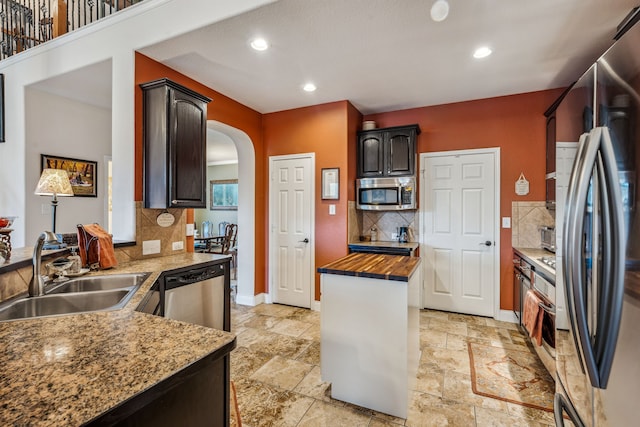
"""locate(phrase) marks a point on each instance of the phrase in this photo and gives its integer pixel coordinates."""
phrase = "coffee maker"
(403, 234)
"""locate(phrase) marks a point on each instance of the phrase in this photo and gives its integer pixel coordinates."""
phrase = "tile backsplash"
(361, 222)
(526, 220)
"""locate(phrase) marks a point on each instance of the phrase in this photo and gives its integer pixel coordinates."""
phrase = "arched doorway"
(246, 210)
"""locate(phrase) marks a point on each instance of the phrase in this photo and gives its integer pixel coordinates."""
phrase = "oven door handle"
(548, 308)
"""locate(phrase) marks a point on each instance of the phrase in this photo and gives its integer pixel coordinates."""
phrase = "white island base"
(370, 340)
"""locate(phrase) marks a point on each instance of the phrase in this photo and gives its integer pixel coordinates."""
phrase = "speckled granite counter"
(373, 266)
(67, 370)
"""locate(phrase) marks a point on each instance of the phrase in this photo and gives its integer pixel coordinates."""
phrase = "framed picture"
(83, 174)
(224, 195)
(330, 183)
(2, 108)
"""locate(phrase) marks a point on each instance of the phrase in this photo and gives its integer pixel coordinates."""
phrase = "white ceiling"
(382, 55)
(221, 150)
(385, 55)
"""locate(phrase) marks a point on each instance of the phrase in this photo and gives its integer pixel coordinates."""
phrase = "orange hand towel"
(532, 316)
(96, 246)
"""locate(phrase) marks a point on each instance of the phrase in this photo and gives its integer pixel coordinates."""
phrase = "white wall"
(67, 128)
(217, 172)
(115, 38)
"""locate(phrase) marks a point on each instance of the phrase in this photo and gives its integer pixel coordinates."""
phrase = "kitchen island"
(121, 366)
(370, 321)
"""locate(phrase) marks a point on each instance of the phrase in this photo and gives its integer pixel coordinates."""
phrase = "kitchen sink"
(80, 295)
(51, 305)
(99, 283)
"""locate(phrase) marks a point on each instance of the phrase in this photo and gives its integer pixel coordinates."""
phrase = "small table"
(209, 241)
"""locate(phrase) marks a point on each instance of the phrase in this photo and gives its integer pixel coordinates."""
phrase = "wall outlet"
(332, 209)
(176, 246)
(150, 247)
(394, 236)
(190, 228)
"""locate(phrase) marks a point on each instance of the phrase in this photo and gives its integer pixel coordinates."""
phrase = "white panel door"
(459, 217)
(291, 225)
(565, 155)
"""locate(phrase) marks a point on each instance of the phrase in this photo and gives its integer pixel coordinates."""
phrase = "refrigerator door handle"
(560, 406)
(569, 237)
(614, 247)
(578, 284)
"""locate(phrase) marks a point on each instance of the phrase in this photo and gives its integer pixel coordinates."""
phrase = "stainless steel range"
(548, 261)
(531, 276)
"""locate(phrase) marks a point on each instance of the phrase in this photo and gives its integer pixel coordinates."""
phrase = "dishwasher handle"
(192, 276)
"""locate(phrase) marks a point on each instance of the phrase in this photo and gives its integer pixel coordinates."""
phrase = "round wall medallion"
(165, 219)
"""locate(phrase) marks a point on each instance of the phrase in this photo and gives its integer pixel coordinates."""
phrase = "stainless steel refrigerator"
(598, 357)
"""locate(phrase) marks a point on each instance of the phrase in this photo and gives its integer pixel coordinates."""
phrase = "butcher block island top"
(68, 370)
(373, 266)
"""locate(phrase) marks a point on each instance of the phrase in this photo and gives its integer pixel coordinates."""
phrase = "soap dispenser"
(77, 262)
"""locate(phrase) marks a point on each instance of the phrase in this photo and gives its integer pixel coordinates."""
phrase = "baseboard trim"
(507, 316)
(250, 300)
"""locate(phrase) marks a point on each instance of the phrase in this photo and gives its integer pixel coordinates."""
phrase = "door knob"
(486, 243)
(306, 240)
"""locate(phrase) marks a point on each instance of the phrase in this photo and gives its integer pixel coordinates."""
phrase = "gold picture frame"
(83, 174)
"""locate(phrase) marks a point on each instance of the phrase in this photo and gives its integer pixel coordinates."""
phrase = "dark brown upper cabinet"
(387, 151)
(175, 142)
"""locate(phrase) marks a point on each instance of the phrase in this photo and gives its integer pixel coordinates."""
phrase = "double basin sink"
(79, 295)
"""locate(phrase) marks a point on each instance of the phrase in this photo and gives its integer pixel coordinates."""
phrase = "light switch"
(176, 246)
(506, 222)
(332, 209)
(189, 230)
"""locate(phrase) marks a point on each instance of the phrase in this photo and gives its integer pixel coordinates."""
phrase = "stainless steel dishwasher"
(199, 295)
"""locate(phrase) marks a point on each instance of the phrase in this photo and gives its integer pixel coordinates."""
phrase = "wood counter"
(373, 266)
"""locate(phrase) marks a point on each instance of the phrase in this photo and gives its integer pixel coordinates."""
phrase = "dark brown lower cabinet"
(195, 396)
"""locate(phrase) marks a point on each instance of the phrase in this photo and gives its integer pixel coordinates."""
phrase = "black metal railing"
(28, 23)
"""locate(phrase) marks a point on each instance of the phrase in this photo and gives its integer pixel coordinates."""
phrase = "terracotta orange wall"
(222, 109)
(323, 130)
(514, 123)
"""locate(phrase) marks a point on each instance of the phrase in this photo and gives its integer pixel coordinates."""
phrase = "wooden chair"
(229, 241)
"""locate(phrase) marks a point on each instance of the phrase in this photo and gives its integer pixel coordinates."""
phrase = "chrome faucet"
(36, 285)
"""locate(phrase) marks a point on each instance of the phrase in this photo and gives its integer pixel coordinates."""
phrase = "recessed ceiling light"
(482, 52)
(439, 10)
(259, 44)
(309, 87)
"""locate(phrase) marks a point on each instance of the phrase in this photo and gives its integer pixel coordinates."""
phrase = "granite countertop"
(67, 370)
(532, 255)
(375, 266)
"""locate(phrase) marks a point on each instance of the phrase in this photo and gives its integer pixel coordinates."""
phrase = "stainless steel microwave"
(386, 194)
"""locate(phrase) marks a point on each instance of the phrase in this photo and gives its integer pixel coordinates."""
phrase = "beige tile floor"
(276, 369)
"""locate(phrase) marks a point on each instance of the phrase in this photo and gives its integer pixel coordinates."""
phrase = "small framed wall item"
(83, 174)
(224, 195)
(330, 183)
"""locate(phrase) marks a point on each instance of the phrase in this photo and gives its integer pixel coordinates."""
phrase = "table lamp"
(54, 182)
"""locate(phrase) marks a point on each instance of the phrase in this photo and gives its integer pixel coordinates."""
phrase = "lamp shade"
(54, 182)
